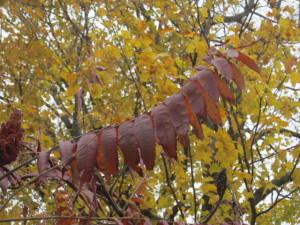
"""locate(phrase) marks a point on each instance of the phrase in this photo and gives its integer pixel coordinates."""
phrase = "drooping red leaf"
(86, 157)
(165, 130)
(116, 220)
(209, 83)
(13, 177)
(109, 150)
(214, 51)
(212, 108)
(145, 222)
(196, 98)
(3, 182)
(145, 136)
(223, 66)
(224, 88)
(128, 145)
(208, 59)
(44, 165)
(244, 59)
(179, 115)
(194, 119)
(66, 150)
(162, 222)
(237, 76)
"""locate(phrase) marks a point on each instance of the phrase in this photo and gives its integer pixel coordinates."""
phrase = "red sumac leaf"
(209, 83)
(144, 133)
(3, 182)
(179, 115)
(223, 66)
(165, 130)
(66, 150)
(244, 59)
(208, 59)
(145, 222)
(109, 150)
(194, 119)
(214, 51)
(237, 76)
(44, 165)
(87, 151)
(212, 108)
(128, 145)
(196, 98)
(162, 222)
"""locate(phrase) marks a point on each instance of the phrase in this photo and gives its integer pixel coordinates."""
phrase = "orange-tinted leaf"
(223, 66)
(179, 115)
(244, 59)
(164, 129)
(144, 133)
(128, 145)
(66, 150)
(196, 98)
(212, 108)
(194, 119)
(209, 83)
(237, 76)
(224, 88)
(109, 154)
(86, 157)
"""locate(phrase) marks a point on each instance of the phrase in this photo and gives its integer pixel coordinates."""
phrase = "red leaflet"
(237, 76)
(212, 108)
(43, 165)
(196, 98)
(109, 154)
(208, 59)
(194, 119)
(223, 66)
(3, 182)
(224, 88)
(244, 59)
(162, 222)
(164, 129)
(144, 133)
(66, 150)
(209, 83)
(128, 145)
(179, 115)
(214, 51)
(86, 157)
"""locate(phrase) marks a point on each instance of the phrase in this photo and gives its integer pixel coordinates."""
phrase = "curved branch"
(236, 18)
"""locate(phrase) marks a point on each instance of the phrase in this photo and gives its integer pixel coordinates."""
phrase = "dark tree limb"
(237, 18)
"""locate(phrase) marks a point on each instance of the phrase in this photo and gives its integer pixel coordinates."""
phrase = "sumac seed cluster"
(10, 136)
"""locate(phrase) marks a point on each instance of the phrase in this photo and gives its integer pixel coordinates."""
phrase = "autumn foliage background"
(76, 66)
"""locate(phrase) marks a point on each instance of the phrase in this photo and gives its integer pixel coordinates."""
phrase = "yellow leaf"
(203, 12)
(71, 78)
(95, 89)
